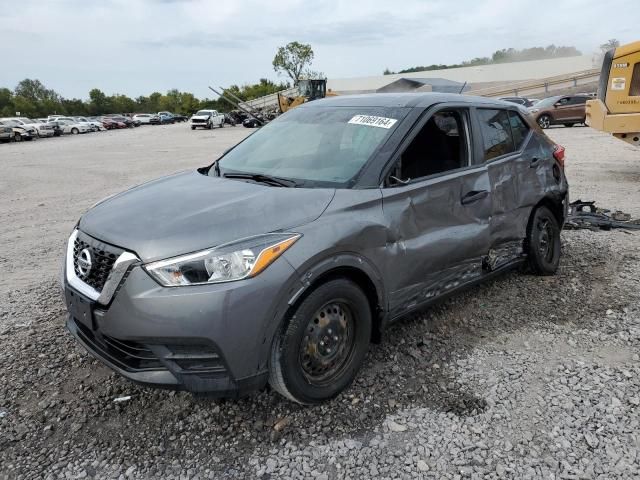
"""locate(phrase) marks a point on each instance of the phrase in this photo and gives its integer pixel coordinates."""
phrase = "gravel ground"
(522, 377)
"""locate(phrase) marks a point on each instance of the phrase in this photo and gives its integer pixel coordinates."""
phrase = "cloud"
(136, 47)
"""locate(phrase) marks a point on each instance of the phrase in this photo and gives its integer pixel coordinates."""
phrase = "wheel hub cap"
(327, 342)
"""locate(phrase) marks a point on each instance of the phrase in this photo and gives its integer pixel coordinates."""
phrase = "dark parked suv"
(564, 110)
(286, 257)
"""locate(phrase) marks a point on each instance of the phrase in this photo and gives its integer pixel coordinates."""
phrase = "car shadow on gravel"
(58, 398)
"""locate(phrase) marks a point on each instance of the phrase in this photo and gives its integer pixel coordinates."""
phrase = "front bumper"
(207, 338)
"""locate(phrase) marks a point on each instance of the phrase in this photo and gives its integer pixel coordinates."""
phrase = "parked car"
(166, 119)
(207, 119)
(25, 131)
(95, 125)
(20, 131)
(71, 126)
(81, 126)
(251, 122)
(57, 128)
(155, 120)
(564, 110)
(36, 128)
(129, 122)
(525, 102)
(6, 133)
(179, 118)
(280, 261)
(143, 118)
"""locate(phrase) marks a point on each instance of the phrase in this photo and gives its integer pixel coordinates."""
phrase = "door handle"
(534, 162)
(474, 196)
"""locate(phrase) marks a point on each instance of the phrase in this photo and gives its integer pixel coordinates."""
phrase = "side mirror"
(558, 104)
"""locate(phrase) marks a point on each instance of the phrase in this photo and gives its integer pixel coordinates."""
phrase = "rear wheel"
(322, 347)
(544, 121)
(543, 242)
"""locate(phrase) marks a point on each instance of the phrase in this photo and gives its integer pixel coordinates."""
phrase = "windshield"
(547, 102)
(326, 146)
(13, 123)
(203, 112)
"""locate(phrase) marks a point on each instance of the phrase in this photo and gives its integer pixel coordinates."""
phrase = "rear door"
(505, 135)
(437, 204)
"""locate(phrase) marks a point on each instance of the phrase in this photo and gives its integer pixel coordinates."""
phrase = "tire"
(222, 124)
(543, 242)
(17, 137)
(210, 126)
(75, 131)
(193, 128)
(544, 121)
(311, 379)
(568, 125)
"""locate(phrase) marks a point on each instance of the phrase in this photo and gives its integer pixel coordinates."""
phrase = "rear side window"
(519, 129)
(496, 132)
(577, 101)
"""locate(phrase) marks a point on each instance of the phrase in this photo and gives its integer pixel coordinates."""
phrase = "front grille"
(198, 120)
(102, 257)
(128, 355)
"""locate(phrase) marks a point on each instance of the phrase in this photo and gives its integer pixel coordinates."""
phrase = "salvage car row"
(17, 129)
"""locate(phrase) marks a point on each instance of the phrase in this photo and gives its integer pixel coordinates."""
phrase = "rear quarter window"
(496, 132)
(519, 129)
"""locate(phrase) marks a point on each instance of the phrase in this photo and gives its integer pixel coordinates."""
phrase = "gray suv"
(281, 261)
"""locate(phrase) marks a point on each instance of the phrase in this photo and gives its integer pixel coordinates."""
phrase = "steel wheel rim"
(545, 239)
(328, 343)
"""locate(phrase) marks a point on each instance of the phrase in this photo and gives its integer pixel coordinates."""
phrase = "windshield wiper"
(261, 178)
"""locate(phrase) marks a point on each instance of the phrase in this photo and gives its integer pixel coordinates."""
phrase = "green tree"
(292, 59)
(98, 102)
(609, 44)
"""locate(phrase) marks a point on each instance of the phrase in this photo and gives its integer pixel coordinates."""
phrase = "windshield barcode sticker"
(372, 121)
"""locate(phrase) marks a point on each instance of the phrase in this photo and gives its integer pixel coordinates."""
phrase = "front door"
(437, 207)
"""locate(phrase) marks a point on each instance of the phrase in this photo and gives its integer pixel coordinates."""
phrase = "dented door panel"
(434, 241)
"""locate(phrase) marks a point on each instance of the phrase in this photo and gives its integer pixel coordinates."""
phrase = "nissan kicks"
(285, 258)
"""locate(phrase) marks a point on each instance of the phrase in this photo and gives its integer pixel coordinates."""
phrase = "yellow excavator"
(308, 90)
(617, 107)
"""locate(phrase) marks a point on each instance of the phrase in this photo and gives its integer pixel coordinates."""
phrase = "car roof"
(422, 100)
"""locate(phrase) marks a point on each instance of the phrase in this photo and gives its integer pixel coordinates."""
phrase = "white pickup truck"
(207, 119)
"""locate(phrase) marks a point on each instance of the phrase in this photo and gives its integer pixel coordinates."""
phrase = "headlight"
(233, 261)
(534, 110)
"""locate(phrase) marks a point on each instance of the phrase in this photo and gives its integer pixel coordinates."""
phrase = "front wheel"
(324, 344)
(75, 131)
(193, 128)
(17, 137)
(543, 242)
(544, 121)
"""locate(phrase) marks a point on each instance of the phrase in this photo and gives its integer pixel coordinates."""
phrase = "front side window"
(315, 146)
(496, 132)
(440, 146)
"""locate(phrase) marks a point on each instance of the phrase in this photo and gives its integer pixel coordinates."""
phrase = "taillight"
(558, 154)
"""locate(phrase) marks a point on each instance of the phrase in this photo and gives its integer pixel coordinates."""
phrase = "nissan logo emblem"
(84, 262)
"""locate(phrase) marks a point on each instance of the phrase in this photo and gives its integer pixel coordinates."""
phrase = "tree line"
(506, 55)
(33, 99)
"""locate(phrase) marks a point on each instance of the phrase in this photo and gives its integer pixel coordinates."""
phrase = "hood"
(189, 211)
(201, 116)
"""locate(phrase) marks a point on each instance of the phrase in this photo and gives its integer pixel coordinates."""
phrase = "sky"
(136, 47)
